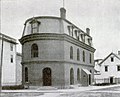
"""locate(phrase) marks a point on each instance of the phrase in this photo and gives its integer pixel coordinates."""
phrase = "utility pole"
(1, 63)
(1, 55)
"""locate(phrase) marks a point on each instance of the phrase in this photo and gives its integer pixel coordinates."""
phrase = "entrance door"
(47, 77)
(111, 80)
(89, 79)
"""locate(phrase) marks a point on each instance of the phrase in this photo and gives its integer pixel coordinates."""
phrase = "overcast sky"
(101, 16)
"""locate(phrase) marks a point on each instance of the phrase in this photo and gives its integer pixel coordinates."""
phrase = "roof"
(108, 57)
(7, 38)
(54, 17)
(86, 71)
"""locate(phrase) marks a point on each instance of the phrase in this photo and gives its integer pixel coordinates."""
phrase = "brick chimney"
(88, 31)
(63, 13)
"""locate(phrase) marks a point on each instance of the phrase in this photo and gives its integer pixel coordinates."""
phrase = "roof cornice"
(54, 36)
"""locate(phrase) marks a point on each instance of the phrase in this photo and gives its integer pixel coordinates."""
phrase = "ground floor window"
(78, 75)
(26, 74)
(71, 76)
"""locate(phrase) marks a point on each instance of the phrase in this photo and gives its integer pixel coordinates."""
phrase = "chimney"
(88, 31)
(118, 52)
(63, 13)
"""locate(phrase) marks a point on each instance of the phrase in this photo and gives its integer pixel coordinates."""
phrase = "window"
(34, 25)
(71, 52)
(70, 30)
(90, 71)
(11, 46)
(34, 50)
(112, 59)
(83, 37)
(118, 68)
(71, 76)
(83, 56)
(106, 68)
(76, 33)
(11, 59)
(89, 41)
(78, 75)
(78, 55)
(90, 58)
(26, 74)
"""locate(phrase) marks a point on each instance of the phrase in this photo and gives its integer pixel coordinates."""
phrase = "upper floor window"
(34, 26)
(90, 71)
(11, 46)
(106, 68)
(34, 50)
(89, 41)
(11, 59)
(112, 59)
(83, 56)
(71, 52)
(78, 54)
(118, 68)
(90, 58)
(83, 37)
(70, 30)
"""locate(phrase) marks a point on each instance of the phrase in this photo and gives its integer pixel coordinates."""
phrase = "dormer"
(34, 25)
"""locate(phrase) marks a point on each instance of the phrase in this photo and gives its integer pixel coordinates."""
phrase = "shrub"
(15, 87)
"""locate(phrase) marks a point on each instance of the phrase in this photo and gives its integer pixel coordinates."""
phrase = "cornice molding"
(55, 36)
(39, 62)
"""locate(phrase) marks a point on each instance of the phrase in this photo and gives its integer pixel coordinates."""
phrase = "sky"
(101, 16)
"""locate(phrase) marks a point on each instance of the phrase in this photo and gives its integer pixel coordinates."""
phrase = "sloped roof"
(108, 57)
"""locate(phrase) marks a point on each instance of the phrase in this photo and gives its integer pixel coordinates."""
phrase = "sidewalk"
(76, 89)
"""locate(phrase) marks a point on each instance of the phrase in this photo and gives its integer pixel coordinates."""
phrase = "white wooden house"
(108, 70)
(11, 61)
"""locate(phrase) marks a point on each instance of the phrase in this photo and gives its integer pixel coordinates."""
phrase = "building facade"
(108, 70)
(56, 52)
(9, 67)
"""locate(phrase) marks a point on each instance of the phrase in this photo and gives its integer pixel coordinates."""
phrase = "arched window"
(78, 55)
(90, 58)
(34, 50)
(71, 52)
(83, 56)
(78, 75)
(71, 76)
(26, 74)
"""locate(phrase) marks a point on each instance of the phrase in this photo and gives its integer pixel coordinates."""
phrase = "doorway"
(111, 80)
(47, 77)
(89, 79)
